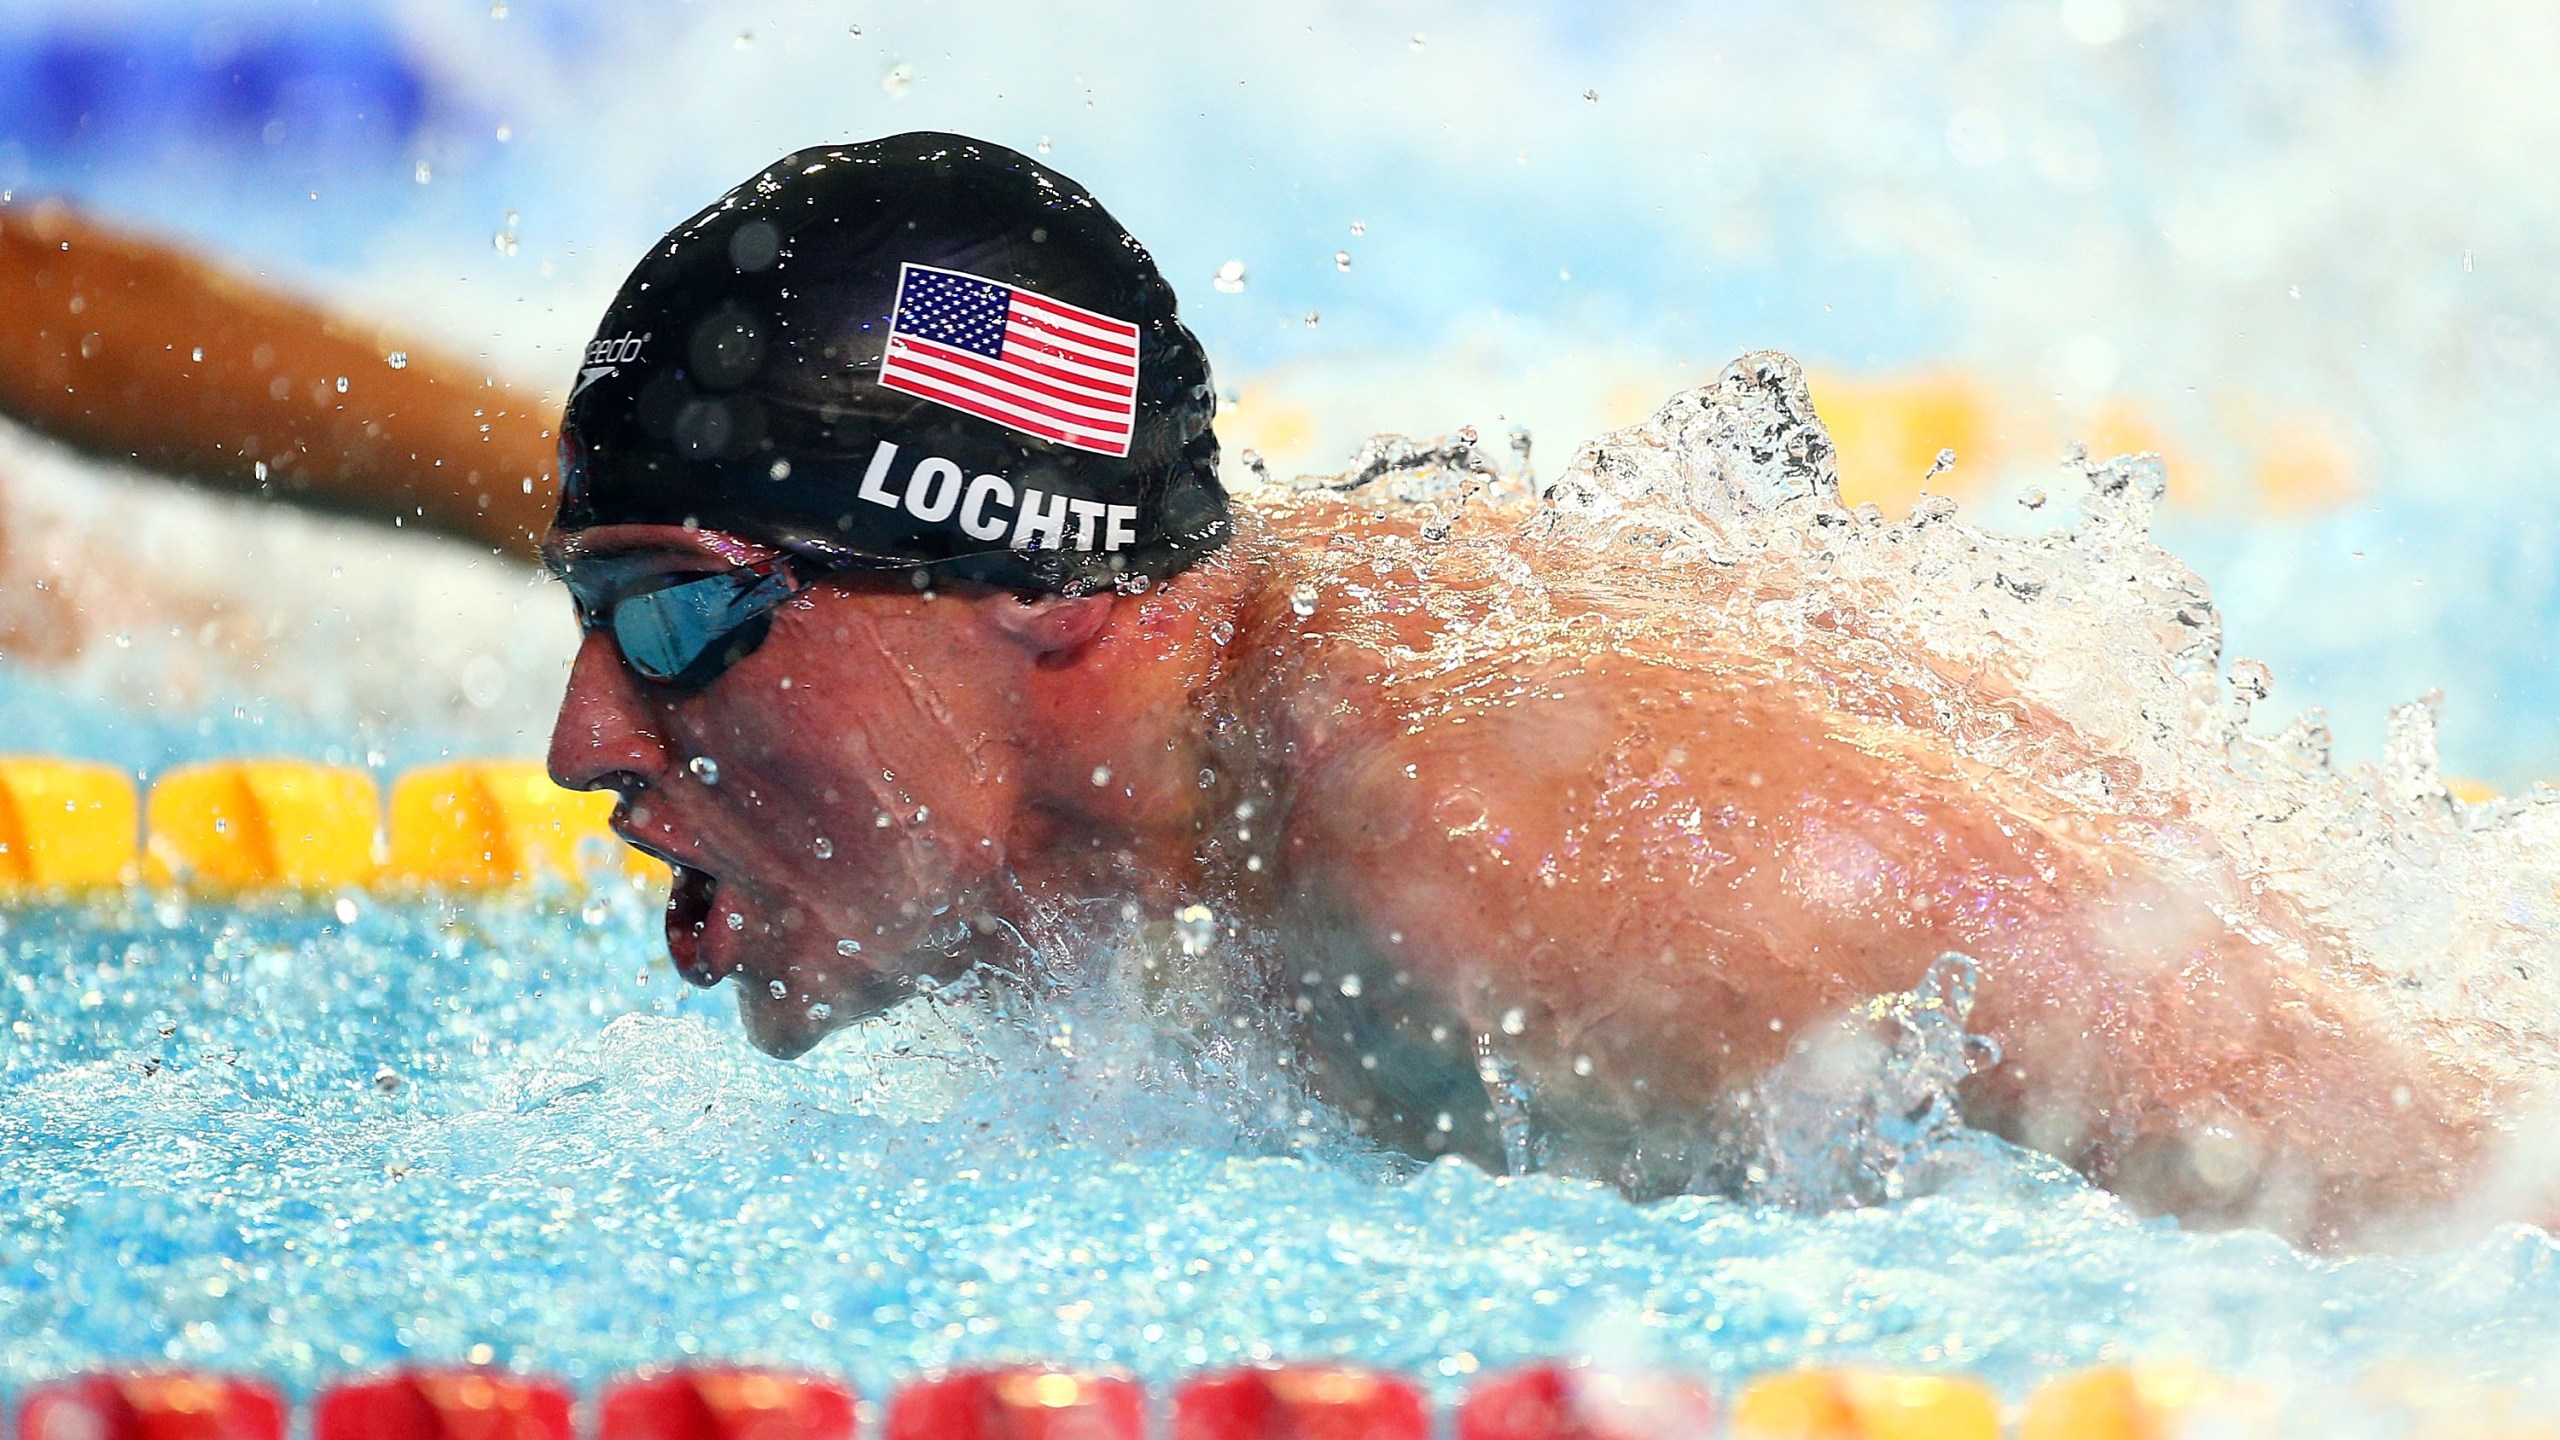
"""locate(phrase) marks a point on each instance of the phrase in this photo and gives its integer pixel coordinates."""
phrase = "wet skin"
(1636, 851)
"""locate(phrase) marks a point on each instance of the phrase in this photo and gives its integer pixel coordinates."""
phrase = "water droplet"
(422, 173)
(737, 921)
(1101, 776)
(1302, 598)
(705, 769)
(1514, 1022)
(1341, 259)
(777, 988)
(1350, 986)
(1230, 278)
(397, 359)
(848, 948)
(1196, 926)
(823, 848)
(900, 78)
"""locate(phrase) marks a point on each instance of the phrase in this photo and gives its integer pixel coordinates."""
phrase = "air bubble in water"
(1591, 95)
(1513, 1021)
(823, 848)
(345, 910)
(1101, 776)
(342, 384)
(397, 359)
(2034, 498)
(1230, 278)
(1222, 632)
(737, 921)
(822, 1011)
(1341, 259)
(388, 1081)
(1196, 926)
(423, 173)
(777, 988)
(1945, 462)
(504, 242)
(1359, 227)
(705, 769)
(1350, 986)
(1582, 1065)
(1302, 598)
(1311, 319)
(848, 948)
(901, 76)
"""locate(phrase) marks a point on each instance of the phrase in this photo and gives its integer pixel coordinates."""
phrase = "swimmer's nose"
(606, 738)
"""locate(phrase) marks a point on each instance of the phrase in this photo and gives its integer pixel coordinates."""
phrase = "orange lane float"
(259, 824)
(491, 822)
(65, 824)
(1862, 1405)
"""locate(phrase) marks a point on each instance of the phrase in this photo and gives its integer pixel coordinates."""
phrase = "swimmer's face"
(835, 803)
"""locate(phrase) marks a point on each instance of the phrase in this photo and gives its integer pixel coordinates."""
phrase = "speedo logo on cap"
(1025, 361)
(606, 356)
(988, 507)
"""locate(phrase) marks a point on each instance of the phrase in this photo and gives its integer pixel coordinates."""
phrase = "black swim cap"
(923, 351)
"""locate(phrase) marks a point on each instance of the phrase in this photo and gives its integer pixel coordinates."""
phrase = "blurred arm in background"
(139, 352)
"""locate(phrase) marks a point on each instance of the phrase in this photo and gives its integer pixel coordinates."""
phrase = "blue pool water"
(336, 1135)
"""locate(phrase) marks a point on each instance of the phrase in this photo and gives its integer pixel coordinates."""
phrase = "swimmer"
(141, 353)
(917, 622)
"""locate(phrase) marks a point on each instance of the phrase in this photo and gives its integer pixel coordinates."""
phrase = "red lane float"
(152, 1406)
(1021, 1403)
(725, 1403)
(1300, 1402)
(1577, 1402)
(443, 1405)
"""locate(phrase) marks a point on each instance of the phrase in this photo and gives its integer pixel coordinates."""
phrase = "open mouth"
(689, 903)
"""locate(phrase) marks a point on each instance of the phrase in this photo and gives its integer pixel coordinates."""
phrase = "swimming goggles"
(684, 629)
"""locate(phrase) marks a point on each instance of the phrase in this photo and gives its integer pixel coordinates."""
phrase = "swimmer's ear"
(1050, 623)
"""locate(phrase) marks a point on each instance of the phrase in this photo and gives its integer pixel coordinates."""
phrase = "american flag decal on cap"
(1025, 361)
